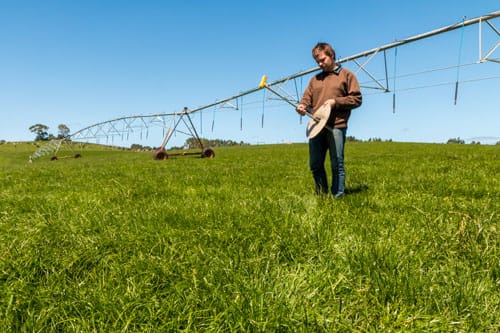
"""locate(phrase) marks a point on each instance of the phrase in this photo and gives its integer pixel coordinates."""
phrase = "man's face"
(324, 62)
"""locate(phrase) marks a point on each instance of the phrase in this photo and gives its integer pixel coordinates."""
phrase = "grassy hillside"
(115, 241)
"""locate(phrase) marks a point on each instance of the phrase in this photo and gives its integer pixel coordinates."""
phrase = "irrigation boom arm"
(263, 84)
(108, 127)
(308, 113)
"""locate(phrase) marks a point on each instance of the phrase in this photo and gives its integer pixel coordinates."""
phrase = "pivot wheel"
(160, 155)
(208, 153)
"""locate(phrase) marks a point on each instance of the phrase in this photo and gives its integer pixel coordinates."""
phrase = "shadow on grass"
(356, 189)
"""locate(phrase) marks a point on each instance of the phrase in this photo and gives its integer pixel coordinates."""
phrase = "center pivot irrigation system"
(181, 122)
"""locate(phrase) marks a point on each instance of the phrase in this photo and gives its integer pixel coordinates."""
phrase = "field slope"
(117, 242)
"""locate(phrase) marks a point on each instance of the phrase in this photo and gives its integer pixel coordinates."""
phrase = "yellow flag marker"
(262, 83)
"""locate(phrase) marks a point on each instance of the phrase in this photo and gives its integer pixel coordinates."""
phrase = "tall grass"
(116, 241)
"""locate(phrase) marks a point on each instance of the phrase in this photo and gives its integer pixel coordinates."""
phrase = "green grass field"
(117, 242)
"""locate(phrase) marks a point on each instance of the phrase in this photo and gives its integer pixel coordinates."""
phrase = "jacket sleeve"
(353, 97)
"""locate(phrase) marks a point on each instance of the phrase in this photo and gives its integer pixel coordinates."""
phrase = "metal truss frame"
(122, 127)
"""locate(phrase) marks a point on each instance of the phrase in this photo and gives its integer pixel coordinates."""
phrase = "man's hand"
(301, 109)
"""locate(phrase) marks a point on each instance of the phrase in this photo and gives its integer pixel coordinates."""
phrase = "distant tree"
(194, 143)
(137, 147)
(63, 131)
(456, 140)
(41, 132)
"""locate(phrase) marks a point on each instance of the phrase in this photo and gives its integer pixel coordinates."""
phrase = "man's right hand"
(301, 109)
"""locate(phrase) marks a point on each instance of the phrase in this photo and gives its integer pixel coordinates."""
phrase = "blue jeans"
(318, 146)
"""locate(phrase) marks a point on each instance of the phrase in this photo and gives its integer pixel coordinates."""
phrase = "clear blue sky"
(83, 62)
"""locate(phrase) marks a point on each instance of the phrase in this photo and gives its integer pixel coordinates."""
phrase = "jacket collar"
(336, 71)
(324, 74)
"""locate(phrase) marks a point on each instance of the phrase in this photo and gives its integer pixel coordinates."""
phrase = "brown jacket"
(340, 84)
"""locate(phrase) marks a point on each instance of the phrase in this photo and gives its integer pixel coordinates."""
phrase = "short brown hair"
(323, 47)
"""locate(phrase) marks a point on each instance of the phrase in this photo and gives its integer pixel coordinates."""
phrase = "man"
(339, 88)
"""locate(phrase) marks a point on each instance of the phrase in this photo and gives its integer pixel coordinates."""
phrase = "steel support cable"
(425, 72)
(450, 83)
(437, 85)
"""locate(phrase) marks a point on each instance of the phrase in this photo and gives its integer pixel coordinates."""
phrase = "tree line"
(41, 132)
